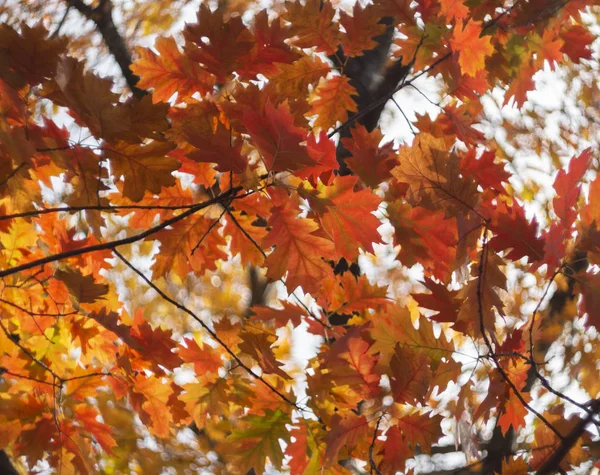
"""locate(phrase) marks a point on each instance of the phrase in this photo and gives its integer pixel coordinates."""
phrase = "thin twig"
(207, 232)
(129, 240)
(372, 448)
(486, 339)
(213, 335)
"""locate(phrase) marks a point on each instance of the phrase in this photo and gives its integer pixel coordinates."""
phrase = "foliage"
(133, 263)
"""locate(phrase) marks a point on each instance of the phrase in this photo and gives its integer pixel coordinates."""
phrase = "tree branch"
(129, 240)
(102, 18)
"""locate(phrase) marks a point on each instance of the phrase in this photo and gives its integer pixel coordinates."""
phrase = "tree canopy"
(322, 237)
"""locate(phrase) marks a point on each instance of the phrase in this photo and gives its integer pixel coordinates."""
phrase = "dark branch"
(102, 18)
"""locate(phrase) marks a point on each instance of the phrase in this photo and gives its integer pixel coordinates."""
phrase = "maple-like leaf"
(144, 167)
(567, 188)
(150, 399)
(484, 170)
(345, 433)
(347, 294)
(299, 250)
(313, 24)
(441, 300)
(346, 215)
(577, 40)
(421, 428)
(411, 375)
(170, 72)
(289, 313)
(179, 252)
(472, 48)
(101, 432)
(258, 345)
(514, 412)
(331, 101)
(82, 287)
(353, 364)
(512, 230)
(425, 237)
(361, 29)
(269, 48)
(480, 297)
(29, 54)
(396, 327)
(206, 360)
(434, 177)
(369, 161)
(157, 345)
(219, 45)
(90, 100)
(257, 438)
(395, 451)
(454, 9)
(296, 77)
(277, 138)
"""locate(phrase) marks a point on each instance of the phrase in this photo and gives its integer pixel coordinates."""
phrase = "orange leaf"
(472, 49)
(277, 138)
(421, 428)
(258, 346)
(346, 215)
(332, 100)
(299, 251)
(313, 24)
(82, 287)
(144, 167)
(221, 46)
(361, 29)
(345, 433)
(178, 243)
(170, 72)
(425, 237)
(411, 375)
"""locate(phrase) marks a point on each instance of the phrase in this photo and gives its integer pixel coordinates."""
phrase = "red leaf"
(277, 138)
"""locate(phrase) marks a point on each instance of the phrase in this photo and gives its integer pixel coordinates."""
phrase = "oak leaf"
(144, 167)
(472, 48)
(170, 72)
(299, 250)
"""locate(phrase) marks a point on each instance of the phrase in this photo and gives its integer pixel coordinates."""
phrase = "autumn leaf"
(82, 287)
(434, 177)
(411, 375)
(170, 72)
(228, 42)
(331, 101)
(258, 345)
(313, 25)
(346, 215)
(178, 252)
(144, 168)
(361, 29)
(344, 434)
(296, 77)
(484, 170)
(299, 251)
(277, 138)
(424, 237)
(471, 47)
(441, 300)
(256, 438)
(421, 428)
(369, 161)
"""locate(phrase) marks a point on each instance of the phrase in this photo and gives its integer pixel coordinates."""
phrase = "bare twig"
(119, 242)
(372, 448)
(212, 334)
(488, 343)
